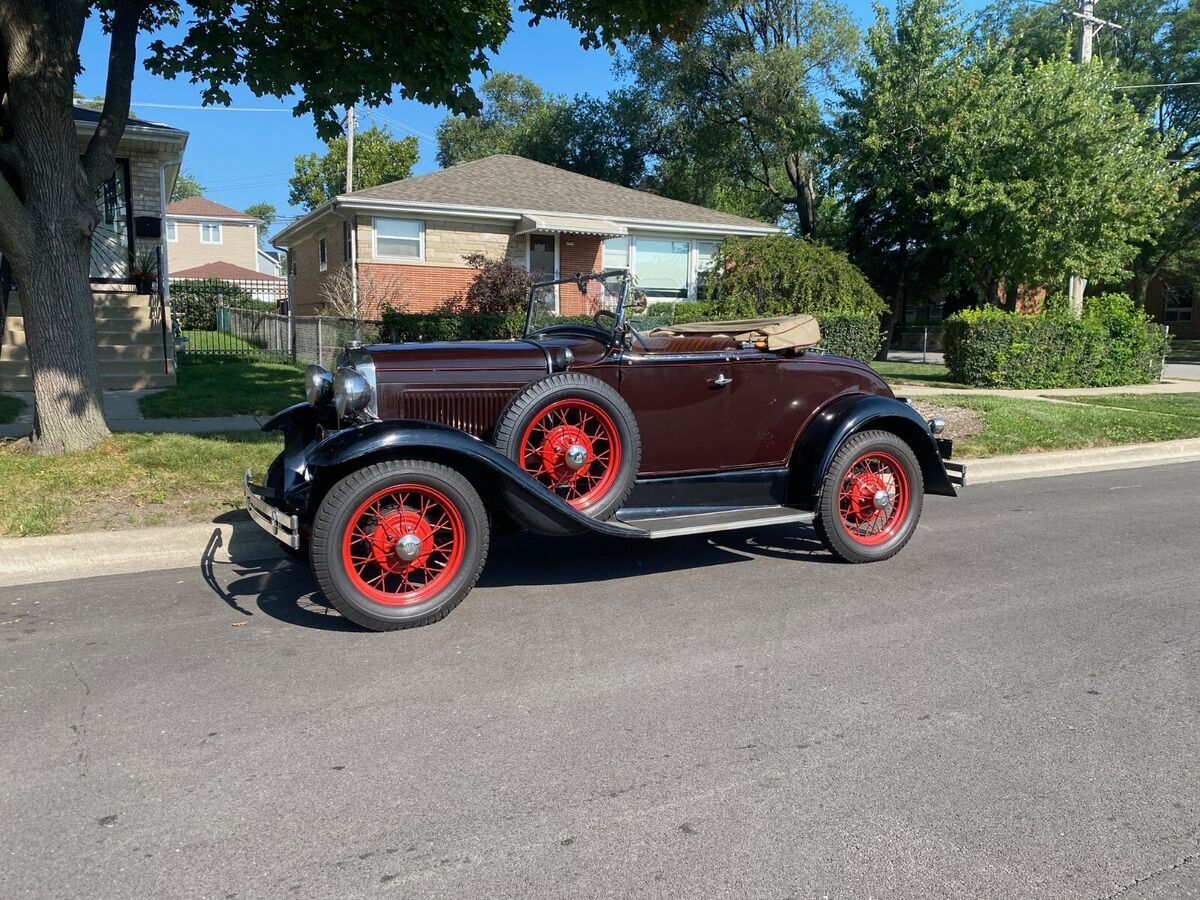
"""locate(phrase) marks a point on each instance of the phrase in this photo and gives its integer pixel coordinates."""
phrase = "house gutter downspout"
(352, 219)
(164, 280)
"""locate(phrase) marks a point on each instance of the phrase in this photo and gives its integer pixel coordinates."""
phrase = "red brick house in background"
(406, 241)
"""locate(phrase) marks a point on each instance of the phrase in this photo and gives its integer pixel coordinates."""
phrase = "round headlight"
(318, 385)
(351, 392)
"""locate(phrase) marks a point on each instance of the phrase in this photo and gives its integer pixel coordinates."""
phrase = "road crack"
(1150, 876)
(79, 730)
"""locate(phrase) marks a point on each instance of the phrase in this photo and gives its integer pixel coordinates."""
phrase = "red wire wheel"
(404, 544)
(574, 449)
(873, 498)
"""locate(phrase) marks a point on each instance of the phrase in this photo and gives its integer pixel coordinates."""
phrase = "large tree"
(48, 213)
(378, 159)
(613, 138)
(265, 213)
(741, 103)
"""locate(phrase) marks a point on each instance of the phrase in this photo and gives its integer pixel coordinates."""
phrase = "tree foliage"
(265, 213)
(378, 159)
(612, 138)
(744, 128)
(783, 275)
(500, 288)
(186, 185)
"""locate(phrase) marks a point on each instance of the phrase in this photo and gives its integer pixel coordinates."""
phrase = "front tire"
(399, 544)
(871, 498)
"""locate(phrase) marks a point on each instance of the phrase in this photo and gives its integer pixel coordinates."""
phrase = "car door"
(681, 404)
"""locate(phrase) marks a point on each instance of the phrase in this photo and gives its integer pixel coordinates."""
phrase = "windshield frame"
(580, 280)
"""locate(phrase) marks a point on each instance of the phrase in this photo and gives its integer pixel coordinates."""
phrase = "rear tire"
(568, 411)
(399, 544)
(871, 498)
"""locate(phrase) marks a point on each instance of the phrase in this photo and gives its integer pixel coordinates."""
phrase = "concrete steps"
(131, 344)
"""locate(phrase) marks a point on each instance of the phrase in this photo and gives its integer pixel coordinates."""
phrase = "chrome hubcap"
(882, 499)
(408, 547)
(576, 456)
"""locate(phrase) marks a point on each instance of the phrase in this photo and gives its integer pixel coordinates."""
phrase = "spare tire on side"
(578, 437)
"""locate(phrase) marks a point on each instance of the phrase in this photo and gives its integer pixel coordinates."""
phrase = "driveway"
(1010, 708)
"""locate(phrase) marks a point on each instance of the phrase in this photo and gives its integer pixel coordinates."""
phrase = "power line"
(1129, 87)
(213, 108)
(378, 115)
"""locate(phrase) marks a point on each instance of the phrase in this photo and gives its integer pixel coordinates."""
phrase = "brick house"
(200, 232)
(404, 243)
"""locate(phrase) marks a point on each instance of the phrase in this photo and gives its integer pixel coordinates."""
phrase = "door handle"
(721, 380)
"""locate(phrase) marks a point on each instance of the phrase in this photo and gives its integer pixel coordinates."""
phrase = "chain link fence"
(917, 343)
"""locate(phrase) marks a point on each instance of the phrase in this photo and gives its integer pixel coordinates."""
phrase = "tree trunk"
(47, 202)
(800, 175)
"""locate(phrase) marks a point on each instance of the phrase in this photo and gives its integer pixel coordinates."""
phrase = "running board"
(723, 520)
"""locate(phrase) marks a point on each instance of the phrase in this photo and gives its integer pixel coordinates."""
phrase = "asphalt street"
(1010, 708)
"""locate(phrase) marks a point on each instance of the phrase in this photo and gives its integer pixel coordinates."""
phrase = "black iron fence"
(220, 317)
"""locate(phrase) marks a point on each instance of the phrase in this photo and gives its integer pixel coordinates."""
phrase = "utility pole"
(350, 144)
(1089, 27)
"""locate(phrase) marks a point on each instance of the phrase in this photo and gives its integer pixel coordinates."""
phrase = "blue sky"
(247, 157)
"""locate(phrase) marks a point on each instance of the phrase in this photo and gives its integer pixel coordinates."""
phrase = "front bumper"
(283, 526)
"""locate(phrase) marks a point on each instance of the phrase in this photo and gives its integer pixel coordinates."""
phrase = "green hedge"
(1114, 343)
(400, 327)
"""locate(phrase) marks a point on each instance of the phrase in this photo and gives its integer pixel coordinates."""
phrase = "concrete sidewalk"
(123, 413)
(1168, 386)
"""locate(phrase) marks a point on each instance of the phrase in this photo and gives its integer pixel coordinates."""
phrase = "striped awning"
(545, 224)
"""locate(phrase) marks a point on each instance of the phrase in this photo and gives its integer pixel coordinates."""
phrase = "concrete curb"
(62, 557)
(38, 560)
(1077, 462)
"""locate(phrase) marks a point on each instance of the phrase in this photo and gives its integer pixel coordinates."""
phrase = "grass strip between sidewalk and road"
(1017, 425)
(10, 408)
(227, 387)
(130, 480)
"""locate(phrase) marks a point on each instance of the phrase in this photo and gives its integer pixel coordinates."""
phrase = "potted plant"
(145, 270)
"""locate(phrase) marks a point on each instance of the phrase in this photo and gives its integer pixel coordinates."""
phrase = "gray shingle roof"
(515, 183)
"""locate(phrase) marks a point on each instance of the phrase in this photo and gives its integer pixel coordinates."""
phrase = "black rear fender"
(503, 484)
(831, 426)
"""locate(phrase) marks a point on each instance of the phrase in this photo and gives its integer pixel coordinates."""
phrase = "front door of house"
(543, 259)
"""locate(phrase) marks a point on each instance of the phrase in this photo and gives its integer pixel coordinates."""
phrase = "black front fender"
(829, 429)
(490, 470)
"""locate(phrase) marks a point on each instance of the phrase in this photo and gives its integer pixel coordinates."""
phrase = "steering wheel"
(601, 314)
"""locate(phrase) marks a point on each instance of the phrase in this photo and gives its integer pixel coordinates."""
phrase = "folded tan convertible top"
(784, 333)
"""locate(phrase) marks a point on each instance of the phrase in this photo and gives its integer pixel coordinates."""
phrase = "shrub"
(1113, 343)
(500, 288)
(781, 275)
(399, 327)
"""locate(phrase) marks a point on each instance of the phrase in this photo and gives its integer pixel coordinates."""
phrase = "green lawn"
(218, 340)
(1019, 425)
(227, 387)
(10, 408)
(1184, 351)
(915, 373)
(130, 481)
(1164, 404)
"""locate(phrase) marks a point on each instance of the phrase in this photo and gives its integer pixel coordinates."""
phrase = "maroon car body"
(582, 427)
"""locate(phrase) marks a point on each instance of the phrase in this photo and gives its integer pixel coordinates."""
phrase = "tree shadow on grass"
(286, 590)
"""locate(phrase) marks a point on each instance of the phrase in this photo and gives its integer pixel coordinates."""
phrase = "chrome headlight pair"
(349, 390)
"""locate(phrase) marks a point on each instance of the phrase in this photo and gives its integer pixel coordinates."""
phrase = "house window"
(1178, 305)
(347, 237)
(662, 266)
(210, 233)
(322, 255)
(399, 239)
(172, 234)
(705, 251)
(616, 253)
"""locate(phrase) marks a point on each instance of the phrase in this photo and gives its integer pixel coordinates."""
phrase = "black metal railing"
(222, 317)
(160, 284)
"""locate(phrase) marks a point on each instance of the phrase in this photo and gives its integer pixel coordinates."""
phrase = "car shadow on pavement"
(285, 589)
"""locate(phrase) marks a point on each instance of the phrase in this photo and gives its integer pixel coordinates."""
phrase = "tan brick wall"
(239, 246)
(144, 183)
(306, 285)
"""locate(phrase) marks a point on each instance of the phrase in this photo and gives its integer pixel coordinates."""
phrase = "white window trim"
(172, 232)
(322, 255)
(375, 254)
(693, 259)
(557, 264)
(220, 233)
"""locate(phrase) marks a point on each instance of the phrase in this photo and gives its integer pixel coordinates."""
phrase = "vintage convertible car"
(401, 463)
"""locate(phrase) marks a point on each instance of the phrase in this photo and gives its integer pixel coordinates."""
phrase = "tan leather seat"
(699, 343)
